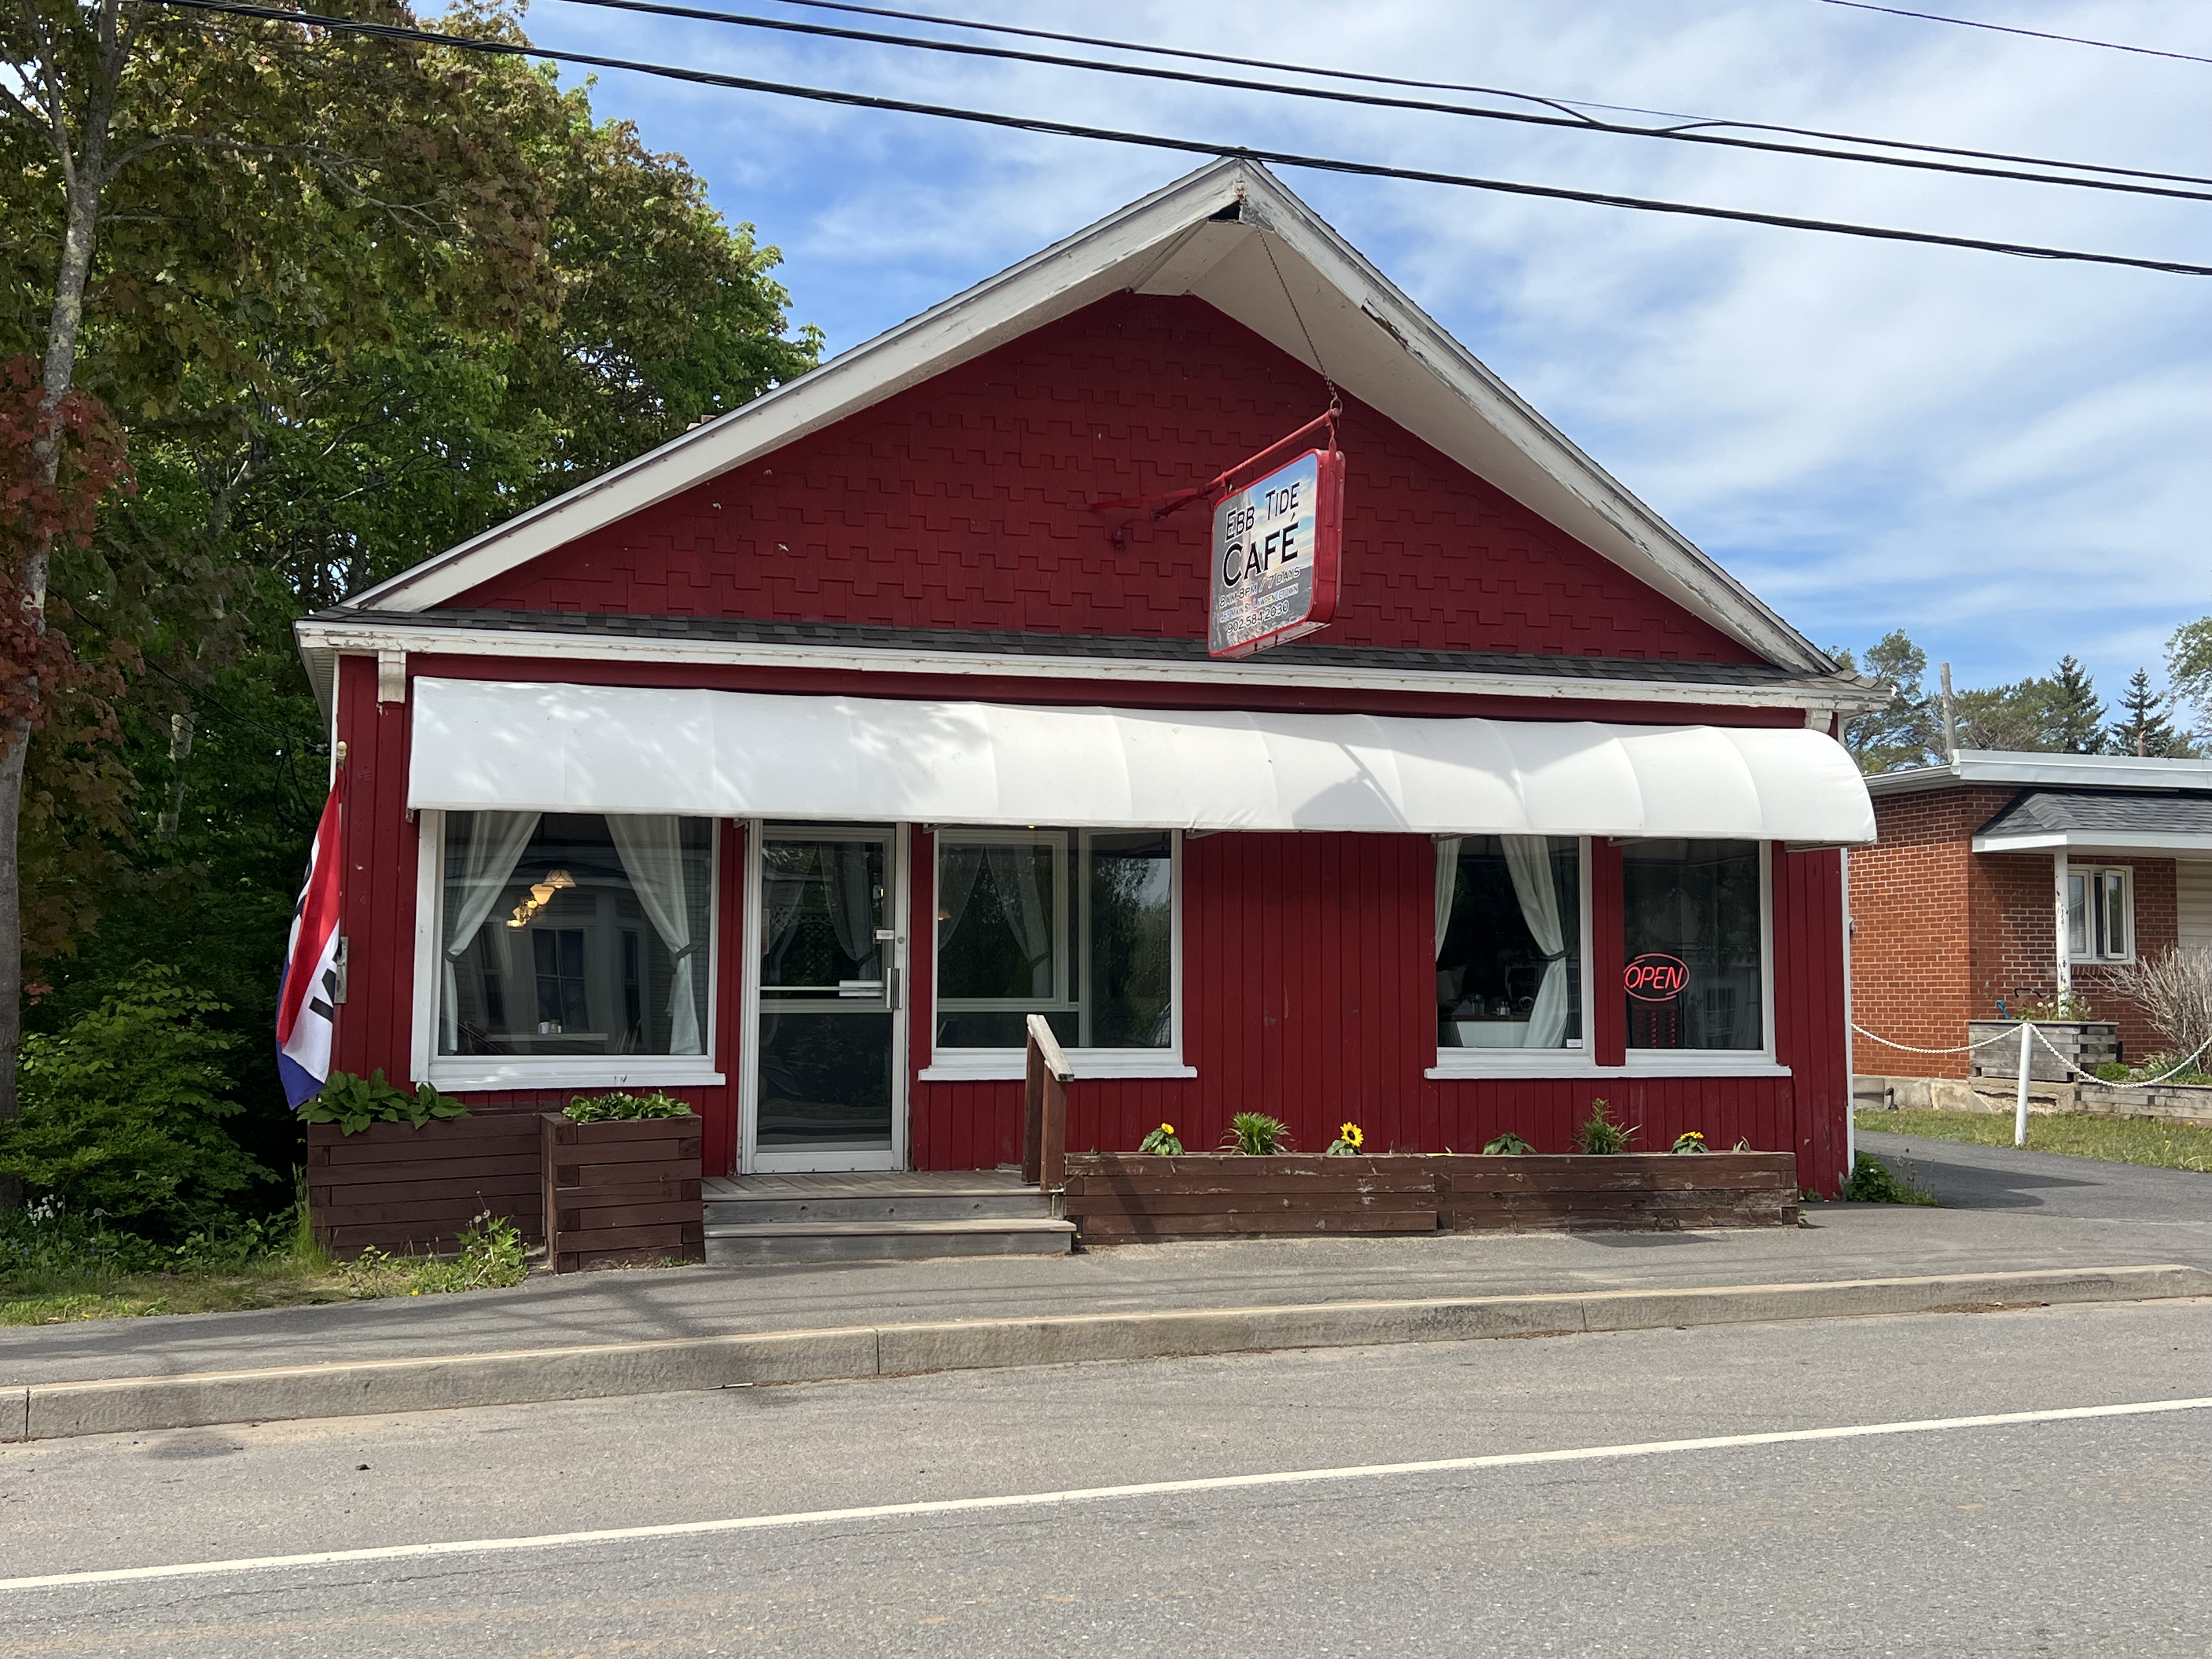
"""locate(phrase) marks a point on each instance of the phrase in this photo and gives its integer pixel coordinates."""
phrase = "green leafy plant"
(1350, 1138)
(1162, 1142)
(619, 1107)
(1255, 1135)
(2066, 1006)
(124, 1110)
(490, 1257)
(1600, 1136)
(2112, 1070)
(353, 1103)
(1873, 1181)
(1507, 1145)
(1689, 1141)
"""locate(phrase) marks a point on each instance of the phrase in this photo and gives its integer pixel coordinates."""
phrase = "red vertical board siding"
(378, 849)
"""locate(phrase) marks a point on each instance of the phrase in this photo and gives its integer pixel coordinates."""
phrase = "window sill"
(1459, 1064)
(586, 1070)
(1010, 1066)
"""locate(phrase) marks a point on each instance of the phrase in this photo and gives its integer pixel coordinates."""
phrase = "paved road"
(2070, 1537)
(2051, 1185)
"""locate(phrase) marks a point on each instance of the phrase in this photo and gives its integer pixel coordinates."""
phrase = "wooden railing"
(1044, 1109)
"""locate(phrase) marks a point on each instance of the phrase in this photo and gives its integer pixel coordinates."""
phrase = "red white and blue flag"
(306, 999)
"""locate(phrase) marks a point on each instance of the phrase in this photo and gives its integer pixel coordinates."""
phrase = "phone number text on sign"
(1275, 548)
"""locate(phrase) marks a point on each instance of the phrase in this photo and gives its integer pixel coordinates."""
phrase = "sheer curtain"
(1446, 884)
(1014, 874)
(956, 870)
(851, 894)
(651, 847)
(1529, 860)
(497, 842)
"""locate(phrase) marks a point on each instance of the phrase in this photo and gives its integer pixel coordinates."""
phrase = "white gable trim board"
(1377, 343)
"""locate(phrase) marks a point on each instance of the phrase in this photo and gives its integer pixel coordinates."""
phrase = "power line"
(1186, 146)
(1971, 23)
(1570, 106)
(1278, 89)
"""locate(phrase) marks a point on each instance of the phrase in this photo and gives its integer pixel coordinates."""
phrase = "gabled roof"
(1209, 235)
(2117, 820)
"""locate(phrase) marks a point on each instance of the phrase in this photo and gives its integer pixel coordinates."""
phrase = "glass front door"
(827, 1091)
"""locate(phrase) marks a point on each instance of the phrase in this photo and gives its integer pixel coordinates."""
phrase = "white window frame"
(2092, 917)
(1640, 1062)
(1001, 1065)
(1577, 1061)
(461, 1073)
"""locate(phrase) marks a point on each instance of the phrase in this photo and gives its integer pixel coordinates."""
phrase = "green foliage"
(353, 1103)
(1507, 1145)
(622, 1107)
(1255, 1135)
(2150, 1141)
(2146, 729)
(2114, 1070)
(1689, 1141)
(1910, 732)
(1162, 1142)
(1600, 1136)
(1873, 1181)
(2189, 670)
(123, 1110)
(491, 1257)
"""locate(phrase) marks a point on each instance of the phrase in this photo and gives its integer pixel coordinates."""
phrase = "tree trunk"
(84, 168)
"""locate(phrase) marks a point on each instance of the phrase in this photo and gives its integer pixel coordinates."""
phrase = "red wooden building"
(791, 766)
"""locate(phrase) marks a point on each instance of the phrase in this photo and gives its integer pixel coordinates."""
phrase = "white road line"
(1090, 1494)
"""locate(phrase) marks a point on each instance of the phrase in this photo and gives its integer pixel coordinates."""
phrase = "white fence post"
(2020, 1107)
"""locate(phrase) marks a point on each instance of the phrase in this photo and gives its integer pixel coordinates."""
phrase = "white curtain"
(497, 842)
(651, 847)
(957, 866)
(851, 894)
(1528, 859)
(1446, 884)
(1014, 874)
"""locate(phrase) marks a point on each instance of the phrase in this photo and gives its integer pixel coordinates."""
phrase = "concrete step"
(976, 1204)
(880, 1241)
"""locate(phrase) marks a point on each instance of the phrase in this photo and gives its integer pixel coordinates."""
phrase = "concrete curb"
(47, 1411)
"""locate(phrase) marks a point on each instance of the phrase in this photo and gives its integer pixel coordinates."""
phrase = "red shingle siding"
(1941, 932)
(963, 502)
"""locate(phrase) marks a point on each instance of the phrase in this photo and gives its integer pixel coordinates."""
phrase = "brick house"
(1955, 909)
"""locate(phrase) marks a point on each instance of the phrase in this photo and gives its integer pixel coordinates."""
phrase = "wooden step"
(882, 1241)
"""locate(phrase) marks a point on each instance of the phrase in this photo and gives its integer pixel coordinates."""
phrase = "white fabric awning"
(555, 748)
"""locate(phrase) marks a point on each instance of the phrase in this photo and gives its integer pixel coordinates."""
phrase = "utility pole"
(1950, 721)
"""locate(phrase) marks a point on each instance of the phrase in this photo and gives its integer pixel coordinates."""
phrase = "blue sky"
(2007, 458)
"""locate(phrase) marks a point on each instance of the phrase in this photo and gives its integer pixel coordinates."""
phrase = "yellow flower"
(1167, 1128)
(1351, 1132)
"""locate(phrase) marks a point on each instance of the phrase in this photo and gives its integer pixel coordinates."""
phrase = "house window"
(2101, 915)
(1509, 942)
(1077, 925)
(565, 934)
(1694, 937)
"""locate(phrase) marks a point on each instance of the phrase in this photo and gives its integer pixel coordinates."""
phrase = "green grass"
(2077, 1135)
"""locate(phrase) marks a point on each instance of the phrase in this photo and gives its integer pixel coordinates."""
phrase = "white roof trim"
(2028, 769)
(544, 746)
(1377, 343)
(2120, 842)
(321, 642)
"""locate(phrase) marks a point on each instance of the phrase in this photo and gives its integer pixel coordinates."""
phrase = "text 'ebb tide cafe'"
(790, 767)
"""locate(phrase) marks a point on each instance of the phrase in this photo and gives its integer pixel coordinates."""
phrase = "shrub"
(622, 1107)
(491, 1256)
(2174, 990)
(1873, 1181)
(1162, 1142)
(1600, 1136)
(1349, 1139)
(123, 1109)
(355, 1102)
(1257, 1135)
(1507, 1145)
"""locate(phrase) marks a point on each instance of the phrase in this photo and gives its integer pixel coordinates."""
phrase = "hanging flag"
(307, 998)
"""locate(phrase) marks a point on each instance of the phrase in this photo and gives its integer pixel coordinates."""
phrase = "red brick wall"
(1940, 933)
(963, 503)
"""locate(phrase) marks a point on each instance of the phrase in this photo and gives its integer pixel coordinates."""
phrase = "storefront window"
(1694, 942)
(573, 933)
(1076, 925)
(1509, 942)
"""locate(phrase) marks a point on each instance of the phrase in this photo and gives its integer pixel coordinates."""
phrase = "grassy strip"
(2077, 1135)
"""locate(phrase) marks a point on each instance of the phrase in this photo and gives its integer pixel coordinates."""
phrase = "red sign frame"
(1255, 543)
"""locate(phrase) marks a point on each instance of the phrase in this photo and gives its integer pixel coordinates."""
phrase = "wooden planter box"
(1130, 1198)
(2089, 1043)
(623, 1193)
(405, 1190)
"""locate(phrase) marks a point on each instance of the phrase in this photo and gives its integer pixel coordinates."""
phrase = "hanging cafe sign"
(1278, 537)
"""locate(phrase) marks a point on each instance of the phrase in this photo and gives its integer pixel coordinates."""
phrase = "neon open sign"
(1655, 976)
